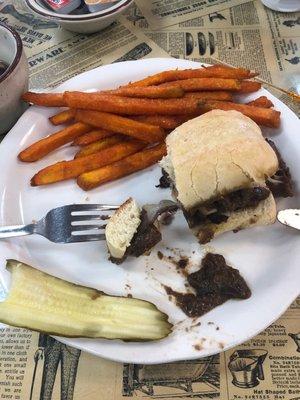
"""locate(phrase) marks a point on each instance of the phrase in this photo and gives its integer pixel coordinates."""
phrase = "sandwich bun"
(264, 214)
(217, 153)
(121, 228)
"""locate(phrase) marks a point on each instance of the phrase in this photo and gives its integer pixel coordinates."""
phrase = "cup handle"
(260, 374)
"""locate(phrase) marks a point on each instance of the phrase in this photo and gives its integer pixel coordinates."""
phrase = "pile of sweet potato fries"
(122, 131)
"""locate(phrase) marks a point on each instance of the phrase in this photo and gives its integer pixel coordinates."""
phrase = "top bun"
(217, 153)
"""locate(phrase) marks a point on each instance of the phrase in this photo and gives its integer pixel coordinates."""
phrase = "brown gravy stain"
(214, 283)
(198, 347)
(128, 289)
(160, 255)
(193, 305)
(95, 295)
(183, 262)
(180, 263)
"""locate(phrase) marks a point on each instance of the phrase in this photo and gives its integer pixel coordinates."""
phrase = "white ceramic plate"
(266, 257)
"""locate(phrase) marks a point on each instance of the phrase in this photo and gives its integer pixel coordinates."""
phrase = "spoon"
(290, 217)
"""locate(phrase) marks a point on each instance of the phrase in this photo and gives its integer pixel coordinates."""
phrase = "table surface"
(265, 367)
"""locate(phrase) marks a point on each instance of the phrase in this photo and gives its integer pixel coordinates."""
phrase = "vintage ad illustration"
(161, 14)
(56, 355)
(246, 367)
(196, 378)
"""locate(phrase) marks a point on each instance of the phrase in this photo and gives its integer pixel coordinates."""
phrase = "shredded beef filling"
(146, 236)
(215, 283)
(216, 210)
(164, 181)
(280, 184)
(216, 276)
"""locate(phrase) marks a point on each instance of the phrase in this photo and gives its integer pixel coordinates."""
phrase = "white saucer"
(282, 5)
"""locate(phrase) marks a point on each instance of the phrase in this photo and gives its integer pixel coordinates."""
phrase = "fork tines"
(81, 217)
(74, 208)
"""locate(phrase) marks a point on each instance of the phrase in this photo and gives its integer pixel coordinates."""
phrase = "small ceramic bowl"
(14, 81)
(283, 5)
(82, 23)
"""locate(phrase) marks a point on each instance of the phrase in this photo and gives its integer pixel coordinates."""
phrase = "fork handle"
(16, 230)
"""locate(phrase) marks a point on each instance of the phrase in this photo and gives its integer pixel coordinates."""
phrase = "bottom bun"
(263, 214)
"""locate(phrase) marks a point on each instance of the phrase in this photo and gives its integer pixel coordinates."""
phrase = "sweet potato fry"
(124, 167)
(71, 169)
(192, 85)
(44, 146)
(213, 95)
(261, 101)
(99, 145)
(45, 99)
(115, 123)
(249, 87)
(262, 116)
(92, 136)
(151, 92)
(164, 121)
(130, 106)
(214, 71)
(63, 117)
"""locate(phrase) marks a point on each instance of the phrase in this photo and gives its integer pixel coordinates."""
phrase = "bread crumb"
(198, 347)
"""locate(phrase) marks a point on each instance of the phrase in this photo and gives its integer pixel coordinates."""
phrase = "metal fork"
(65, 224)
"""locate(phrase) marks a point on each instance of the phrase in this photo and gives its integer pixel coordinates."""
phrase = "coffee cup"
(13, 78)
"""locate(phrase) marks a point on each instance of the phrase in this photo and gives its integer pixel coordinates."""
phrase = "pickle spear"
(41, 302)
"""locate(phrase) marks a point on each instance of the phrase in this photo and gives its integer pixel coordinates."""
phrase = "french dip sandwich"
(133, 230)
(129, 232)
(218, 164)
